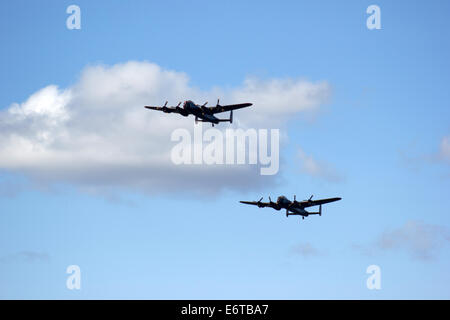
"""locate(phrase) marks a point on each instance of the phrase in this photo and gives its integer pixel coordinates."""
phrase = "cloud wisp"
(305, 250)
(415, 160)
(25, 256)
(444, 151)
(318, 169)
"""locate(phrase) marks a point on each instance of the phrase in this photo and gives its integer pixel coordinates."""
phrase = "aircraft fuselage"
(200, 112)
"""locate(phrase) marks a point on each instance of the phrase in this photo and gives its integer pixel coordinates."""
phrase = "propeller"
(293, 203)
(182, 111)
(164, 107)
(217, 105)
(270, 200)
(259, 202)
(310, 197)
(204, 105)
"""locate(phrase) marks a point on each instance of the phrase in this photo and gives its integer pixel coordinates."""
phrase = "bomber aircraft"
(293, 208)
(202, 113)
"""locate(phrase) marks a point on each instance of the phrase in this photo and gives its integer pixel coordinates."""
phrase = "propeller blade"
(270, 199)
(165, 104)
(260, 199)
(311, 197)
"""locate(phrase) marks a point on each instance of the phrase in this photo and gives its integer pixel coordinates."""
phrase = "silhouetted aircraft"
(202, 113)
(293, 208)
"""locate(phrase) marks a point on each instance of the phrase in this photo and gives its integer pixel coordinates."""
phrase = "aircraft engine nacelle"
(205, 110)
(183, 111)
(165, 109)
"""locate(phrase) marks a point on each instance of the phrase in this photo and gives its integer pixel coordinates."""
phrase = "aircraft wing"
(229, 107)
(312, 203)
(163, 109)
(257, 203)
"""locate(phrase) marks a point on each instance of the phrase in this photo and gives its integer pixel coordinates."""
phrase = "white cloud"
(96, 133)
(277, 99)
(318, 169)
(444, 153)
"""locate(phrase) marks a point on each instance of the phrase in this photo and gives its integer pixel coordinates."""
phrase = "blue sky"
(382, 132)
